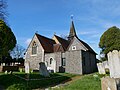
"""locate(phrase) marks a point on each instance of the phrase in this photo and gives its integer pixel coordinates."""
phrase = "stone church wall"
(55, 56)
(37, 58)
(73, 62)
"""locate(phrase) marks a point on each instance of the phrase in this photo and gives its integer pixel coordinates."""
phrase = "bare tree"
(18, 52)
(3, 12)
(64, 36)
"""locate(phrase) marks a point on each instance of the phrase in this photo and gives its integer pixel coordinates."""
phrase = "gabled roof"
(63, 42)
(87, 46)
(58, 48)
(47, 43)
(84, 44)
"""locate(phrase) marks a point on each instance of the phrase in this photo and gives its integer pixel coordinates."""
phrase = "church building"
(60, 55)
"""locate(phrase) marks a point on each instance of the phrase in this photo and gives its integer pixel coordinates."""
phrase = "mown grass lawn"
(87, 82)
(11, 82)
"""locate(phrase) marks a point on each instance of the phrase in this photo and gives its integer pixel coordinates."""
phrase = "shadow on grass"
(11, 82)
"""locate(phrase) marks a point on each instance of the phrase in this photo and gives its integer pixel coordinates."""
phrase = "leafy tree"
(7, 40)
(110, 40)
(3, 13)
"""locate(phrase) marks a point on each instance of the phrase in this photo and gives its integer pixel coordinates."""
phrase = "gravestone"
(27, 67)
(114, 63)
(43, 70)
(105, 64)
(108, 83)
(101, 68)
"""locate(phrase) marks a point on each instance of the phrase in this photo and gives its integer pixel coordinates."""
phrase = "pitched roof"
(58, 48)
(72, 32)
(63, 42)
(46, 43)
(87, 46)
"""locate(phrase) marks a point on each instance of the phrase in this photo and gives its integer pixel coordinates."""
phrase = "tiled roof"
(47, 43)
(63, 42)
(58, 48)
(87, 46)
(50, 45)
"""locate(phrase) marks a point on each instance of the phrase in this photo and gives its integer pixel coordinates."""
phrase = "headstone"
(108, 83)
(43, 70)
(27, 67)
(101, 68)
(105, 64)
(114, 63)
(3, 64)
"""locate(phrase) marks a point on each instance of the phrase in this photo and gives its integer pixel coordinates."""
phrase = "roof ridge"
(44, 36)
(60, 37)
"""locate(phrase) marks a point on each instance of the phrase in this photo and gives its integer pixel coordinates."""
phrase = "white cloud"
(87, 32)
(28, 41)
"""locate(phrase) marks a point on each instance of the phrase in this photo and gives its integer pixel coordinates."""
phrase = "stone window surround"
(51, 60)
(63, 62)
(34, 45)
(73, 47)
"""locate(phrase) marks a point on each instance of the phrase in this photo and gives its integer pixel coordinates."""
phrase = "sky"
(91, 18)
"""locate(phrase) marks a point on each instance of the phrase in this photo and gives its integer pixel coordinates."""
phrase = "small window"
(34, 48)
(63, 62)
(73, 47)
(51, 60)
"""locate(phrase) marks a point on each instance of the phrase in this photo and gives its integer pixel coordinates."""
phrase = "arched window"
(51, 60)
(34, 48)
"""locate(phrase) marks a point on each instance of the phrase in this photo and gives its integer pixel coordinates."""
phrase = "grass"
(87, 82)
(11, 82)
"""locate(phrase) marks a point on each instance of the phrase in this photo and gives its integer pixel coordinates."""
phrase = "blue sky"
(91, 18)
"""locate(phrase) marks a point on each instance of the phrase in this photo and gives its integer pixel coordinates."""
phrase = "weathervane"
(36, 31)
(72, 17)
(54, 33)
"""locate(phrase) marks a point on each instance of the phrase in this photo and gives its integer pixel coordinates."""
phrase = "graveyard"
(56, 81)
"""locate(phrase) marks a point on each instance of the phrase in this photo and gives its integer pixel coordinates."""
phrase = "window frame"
(73, 47)
(63, 62)
(34, 48)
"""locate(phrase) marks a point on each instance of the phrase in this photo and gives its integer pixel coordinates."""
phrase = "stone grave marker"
(108, 83)
(114, 63)
(43, 70)
(27, 67)
(101, 68)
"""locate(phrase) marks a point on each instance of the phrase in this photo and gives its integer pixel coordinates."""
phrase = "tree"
(110, 40)
(3, 12)
(17, 52)
(7, 40)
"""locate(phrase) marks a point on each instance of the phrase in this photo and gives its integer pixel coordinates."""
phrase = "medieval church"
(61, 55)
